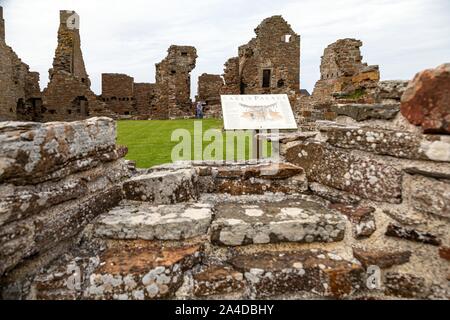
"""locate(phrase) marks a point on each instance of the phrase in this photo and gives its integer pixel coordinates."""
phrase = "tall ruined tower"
(68, 54)
(68, 95)
(343, 72)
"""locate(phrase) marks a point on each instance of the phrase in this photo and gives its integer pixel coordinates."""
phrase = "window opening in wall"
(184, 53)
(287, 38)
(267, 74)
(280, 83)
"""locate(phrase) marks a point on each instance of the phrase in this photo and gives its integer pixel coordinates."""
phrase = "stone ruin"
(79, 222)
(342, 72)
(68, 95)
(365, 182)
(348, 88)
(173, 83)
(20, 97)
(269, 63)
(168, 98)
(118, 94)
(209, 89)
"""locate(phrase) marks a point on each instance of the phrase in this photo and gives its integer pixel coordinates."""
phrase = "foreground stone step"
(141, 270)
(316, 272)
(302, 221)
(141, 220)
(163, 187)
(126, 270)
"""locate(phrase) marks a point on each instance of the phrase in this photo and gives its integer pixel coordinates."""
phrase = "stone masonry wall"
(275, 52)
(231, 77)
(173, 83)
(20, 92)
(342, 72)
(145, 95)
(209, 88)
(118, 94)
(54, 179)
(68, 95)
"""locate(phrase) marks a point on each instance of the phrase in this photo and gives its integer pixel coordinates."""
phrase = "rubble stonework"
(68, 95)
(118, 94)
(20, 97)
(343, 72)
(364, 188)
(268, 64)
(210, 87)
(145, 96)
(173, 83)
(54, 179)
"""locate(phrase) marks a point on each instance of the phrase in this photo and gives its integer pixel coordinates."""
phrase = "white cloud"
(402, 36)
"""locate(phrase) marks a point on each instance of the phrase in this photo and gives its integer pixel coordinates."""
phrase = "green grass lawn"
(149, 142)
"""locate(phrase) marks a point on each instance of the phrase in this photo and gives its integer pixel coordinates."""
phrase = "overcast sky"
(402, 36)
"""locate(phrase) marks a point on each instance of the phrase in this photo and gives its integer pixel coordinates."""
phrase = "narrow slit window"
(267, 74)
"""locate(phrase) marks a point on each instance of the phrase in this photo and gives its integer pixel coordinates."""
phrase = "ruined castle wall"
(231, 77)
(209, 88)
(270, 63)
(54, 179)
(342, 72)
(173, 82)
(20, 92)
(68, 95)
(118, 93)
(145, 95)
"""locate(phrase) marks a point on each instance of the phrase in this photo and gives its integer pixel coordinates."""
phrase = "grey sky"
(402, 36)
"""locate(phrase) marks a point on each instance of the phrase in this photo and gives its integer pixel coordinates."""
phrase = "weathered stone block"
(141, 270)
(430, 195)
(134, 220)
(163, 187)
(261, 223)
(31, 153)
(362, 112)
(362, 218)
(405, 285)
(20, 202)
(381, 258)
(23, 238)
(391, 90)
(388, 142)
(359, 175)
(218, 280)
(427, 98)
(333, 195)
(412, 235)
(312, 271)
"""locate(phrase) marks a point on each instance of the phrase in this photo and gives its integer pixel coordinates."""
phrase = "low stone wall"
(403, 176)
(54, 179)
